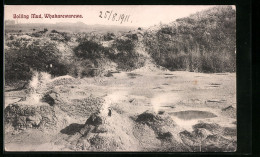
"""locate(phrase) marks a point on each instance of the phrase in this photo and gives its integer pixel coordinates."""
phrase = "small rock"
(161, 112)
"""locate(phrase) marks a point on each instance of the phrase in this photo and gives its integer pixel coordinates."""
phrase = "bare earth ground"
(203, 98)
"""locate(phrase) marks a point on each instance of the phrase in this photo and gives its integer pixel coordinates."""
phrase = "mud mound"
(52, 98)
(230, 131)
(209, 137)
(160, 129)
(213, 127)
(229, 111)
(151, 118)
(217, 143)
(164, 128)
(146, 136)
(147, 117)
(81, 107)
(28, 116)
(62, 80)
(101, 133)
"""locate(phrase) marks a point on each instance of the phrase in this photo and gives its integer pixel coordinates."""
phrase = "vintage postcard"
(113, 78)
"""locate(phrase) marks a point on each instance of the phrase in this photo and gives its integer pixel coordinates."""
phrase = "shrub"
(89, 49)
(20, 63)
(45, 30)
(109, 36)
(132, 36)
(15, 69)
(91, 59)
(122, 52)
(60, 36)
(39, 33)
(127, 58)
(124, 45)
(11, 37)
(16, 43)
(54, 31)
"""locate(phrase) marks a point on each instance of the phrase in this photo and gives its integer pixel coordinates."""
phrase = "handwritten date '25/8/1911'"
(114, 16)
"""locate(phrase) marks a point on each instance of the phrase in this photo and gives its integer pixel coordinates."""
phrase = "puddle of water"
(221, 74)
(193, 114)
(133, 75)
(216, 101)
(157, 88)
(187, 119)
(176, 90)
(168, 106)
(165, 84)
(215, 84)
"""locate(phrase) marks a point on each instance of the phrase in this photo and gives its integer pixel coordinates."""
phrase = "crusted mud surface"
(142, 110)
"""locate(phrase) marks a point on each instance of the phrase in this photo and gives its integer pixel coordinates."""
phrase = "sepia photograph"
(120, 78)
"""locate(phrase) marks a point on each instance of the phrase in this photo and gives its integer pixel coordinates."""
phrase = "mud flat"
(149, 111)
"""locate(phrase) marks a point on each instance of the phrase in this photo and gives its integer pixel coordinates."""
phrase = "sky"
(138, 15)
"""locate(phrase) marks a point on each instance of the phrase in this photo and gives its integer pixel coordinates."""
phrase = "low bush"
(89, 49)
(19, 63)
(127, 58)
(91, 52)
(109, 36)
(60, 36)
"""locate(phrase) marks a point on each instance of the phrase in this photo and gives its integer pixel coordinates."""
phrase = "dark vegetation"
(109, 36)
(90, 50)
(127, 58)
(39, 33)
(20, 62)
(60, 36)
(203, 42)
(121, 52)
(88, 58)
